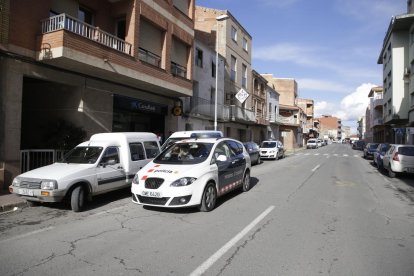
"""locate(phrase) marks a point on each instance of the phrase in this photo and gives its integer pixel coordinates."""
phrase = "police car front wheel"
(208, 201)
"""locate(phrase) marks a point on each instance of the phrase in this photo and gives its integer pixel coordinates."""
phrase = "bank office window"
(199, 58)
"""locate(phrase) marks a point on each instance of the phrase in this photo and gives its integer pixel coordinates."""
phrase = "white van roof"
(129, 136)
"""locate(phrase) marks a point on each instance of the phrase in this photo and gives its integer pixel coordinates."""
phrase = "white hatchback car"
(193, 172)
(399, 159)
(272, 150)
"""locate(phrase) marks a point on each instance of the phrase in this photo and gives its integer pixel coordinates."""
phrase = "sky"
(330, 47)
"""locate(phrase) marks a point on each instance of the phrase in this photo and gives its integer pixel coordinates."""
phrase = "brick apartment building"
(330, 126)
(99, 66)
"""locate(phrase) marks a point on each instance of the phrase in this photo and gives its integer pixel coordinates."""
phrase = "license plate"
(27, 192)
(410, 170)
(151, 194)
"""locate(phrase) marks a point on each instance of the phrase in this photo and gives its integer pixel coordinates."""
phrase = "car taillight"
(396, 158)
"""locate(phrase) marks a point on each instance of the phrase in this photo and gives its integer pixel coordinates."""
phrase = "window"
(199, 58)
(85, 15)
(120, 28)
(111, 154)
(151, 149)
(233, 68)
(213, 69)
(137, 151)
(244, 78)
(245, 45)
(234, 34)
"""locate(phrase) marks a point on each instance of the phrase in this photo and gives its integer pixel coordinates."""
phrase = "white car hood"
(57, 171)
(171, 172)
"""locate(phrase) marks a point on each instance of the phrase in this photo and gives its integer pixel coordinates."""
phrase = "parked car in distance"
(379, 155)
(180, 135)
(319, 142)
(254, 151)
(272, 149)
(193, 172)
(369, 150)
(399, 159)
(312, 144)
(107, 162)
(358, 145)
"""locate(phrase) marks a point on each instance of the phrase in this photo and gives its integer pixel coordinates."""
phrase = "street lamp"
(218, 18)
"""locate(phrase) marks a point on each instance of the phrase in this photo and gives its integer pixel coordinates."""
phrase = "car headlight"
(135, 180)
(48, 185)
(183, 181)
(16, 182)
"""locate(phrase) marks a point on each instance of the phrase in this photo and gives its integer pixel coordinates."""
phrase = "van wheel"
(208, 201)
(77, 199)
(246, 182)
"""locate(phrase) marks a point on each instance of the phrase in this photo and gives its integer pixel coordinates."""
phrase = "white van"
(107, 162)
(181, 135)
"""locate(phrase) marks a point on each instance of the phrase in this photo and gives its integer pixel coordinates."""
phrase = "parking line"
(210, 261)
(317, 167)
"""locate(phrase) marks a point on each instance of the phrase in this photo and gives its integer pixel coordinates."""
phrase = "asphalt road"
(317, 212)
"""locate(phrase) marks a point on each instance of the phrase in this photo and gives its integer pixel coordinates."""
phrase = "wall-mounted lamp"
(407, 74)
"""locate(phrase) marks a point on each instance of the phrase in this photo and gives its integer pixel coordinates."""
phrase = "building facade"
(234, 44)
(199, 110)
(330, 127)
(99, 66)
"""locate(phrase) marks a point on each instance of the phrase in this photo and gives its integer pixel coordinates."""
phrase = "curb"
(10, 207)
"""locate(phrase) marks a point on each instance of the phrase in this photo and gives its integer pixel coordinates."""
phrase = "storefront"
(130, 114)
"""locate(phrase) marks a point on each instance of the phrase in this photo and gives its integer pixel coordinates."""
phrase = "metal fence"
(32, 159)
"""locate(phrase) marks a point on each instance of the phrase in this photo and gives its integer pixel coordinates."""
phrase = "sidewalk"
(9, 201)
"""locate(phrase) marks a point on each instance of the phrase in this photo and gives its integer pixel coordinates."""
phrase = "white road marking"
(316, 154)
(345, 154)
(210, 261)
(107, 211)
(317, 167)
(29, 234)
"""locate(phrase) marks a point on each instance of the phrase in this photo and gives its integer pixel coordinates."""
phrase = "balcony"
(149, 57)
(200, 107)
(178, 70)
(377, 122)
(73, 25)
(274, 118)
(289, 120)
(378, 101)
(238, 113)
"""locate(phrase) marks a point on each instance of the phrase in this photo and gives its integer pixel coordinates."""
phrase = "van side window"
(151, 149)
(111, 153)
(137, 151)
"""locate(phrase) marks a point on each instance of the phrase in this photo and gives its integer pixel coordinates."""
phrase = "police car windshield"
(82, 155)
(185, 153)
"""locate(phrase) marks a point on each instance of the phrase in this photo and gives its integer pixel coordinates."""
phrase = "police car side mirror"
(221, 158)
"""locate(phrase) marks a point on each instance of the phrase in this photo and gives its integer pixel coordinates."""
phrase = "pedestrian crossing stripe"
(327, 154)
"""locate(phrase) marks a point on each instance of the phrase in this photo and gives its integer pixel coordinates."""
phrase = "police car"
(193, 172)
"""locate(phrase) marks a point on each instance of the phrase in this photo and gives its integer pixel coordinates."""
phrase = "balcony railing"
(241, 114)
(289, 120)
(71, 24)
(377, 122)
(274, 118)
(149, 57)
(178, 70)
(203, 107)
